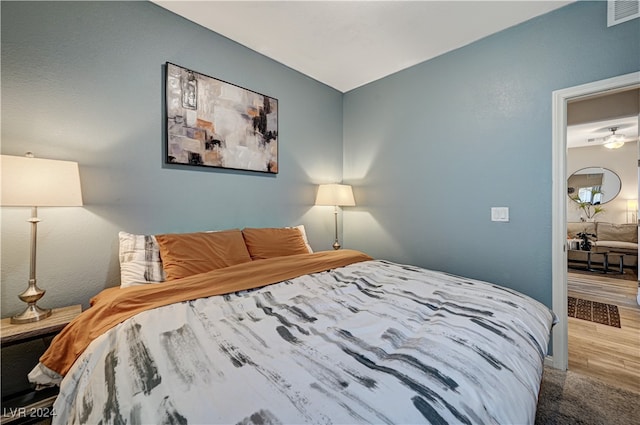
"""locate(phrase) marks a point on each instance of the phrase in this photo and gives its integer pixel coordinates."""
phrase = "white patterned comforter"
(373, 342)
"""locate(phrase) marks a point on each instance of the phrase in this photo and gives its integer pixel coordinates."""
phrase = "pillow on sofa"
(617, 232)
(274, 242)
(573, 228)
(140, 261)
(186, 254)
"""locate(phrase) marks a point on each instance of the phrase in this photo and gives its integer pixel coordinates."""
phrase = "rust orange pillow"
(186, 254)
(274, 242)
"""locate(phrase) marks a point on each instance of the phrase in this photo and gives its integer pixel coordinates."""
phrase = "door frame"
(560, 99)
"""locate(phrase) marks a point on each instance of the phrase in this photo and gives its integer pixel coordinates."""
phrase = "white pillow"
(140, 261)
(304, 236)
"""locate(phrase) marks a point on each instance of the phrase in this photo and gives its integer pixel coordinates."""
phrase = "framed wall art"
(212, 123)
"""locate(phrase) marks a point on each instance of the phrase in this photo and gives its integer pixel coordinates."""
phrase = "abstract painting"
(212, 123)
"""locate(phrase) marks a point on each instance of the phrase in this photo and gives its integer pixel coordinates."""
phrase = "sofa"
(608, 237)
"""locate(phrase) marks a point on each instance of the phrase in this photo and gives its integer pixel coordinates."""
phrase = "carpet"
(568, 398)
(606, 314)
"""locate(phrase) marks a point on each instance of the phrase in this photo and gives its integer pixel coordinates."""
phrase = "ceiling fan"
(612, 141)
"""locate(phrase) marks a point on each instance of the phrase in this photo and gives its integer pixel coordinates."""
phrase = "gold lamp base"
(32, 313)
(32, 294)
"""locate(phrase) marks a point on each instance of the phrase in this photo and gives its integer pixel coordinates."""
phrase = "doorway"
(560, 99)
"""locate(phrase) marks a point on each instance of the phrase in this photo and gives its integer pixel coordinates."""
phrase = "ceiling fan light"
(614, 141)
(614, 144)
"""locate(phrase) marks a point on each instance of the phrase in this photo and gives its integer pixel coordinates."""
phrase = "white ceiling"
(346, 44)
(593, 133)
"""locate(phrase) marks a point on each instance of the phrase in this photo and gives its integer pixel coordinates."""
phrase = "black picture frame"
(213, 123)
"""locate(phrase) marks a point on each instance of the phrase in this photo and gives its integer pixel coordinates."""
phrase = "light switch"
(499, 213)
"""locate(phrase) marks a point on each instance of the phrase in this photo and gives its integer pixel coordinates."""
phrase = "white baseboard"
(548, 361)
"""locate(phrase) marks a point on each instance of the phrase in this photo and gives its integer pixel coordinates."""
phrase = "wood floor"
(601, 351)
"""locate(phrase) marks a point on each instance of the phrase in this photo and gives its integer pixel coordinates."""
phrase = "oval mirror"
(594, 185)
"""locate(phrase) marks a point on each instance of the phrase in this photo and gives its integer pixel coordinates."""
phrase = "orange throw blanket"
(114, 305)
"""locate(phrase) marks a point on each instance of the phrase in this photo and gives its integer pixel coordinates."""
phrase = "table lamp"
(632, 208)
(34, 182)
(336, 195)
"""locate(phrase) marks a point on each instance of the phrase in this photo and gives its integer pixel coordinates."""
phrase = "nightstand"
(15, 334)
(30, 406)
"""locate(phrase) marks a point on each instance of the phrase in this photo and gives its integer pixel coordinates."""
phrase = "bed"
(284, 335)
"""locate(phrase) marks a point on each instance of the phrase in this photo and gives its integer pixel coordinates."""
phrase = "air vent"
(619, 11)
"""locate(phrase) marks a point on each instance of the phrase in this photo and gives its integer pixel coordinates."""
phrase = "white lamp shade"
(335, 195)
(614, 141)
(35, 182)
(632, 204)
(614, 144)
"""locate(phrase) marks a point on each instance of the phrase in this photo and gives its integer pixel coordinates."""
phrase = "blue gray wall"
(431, 149)
(83, 81)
